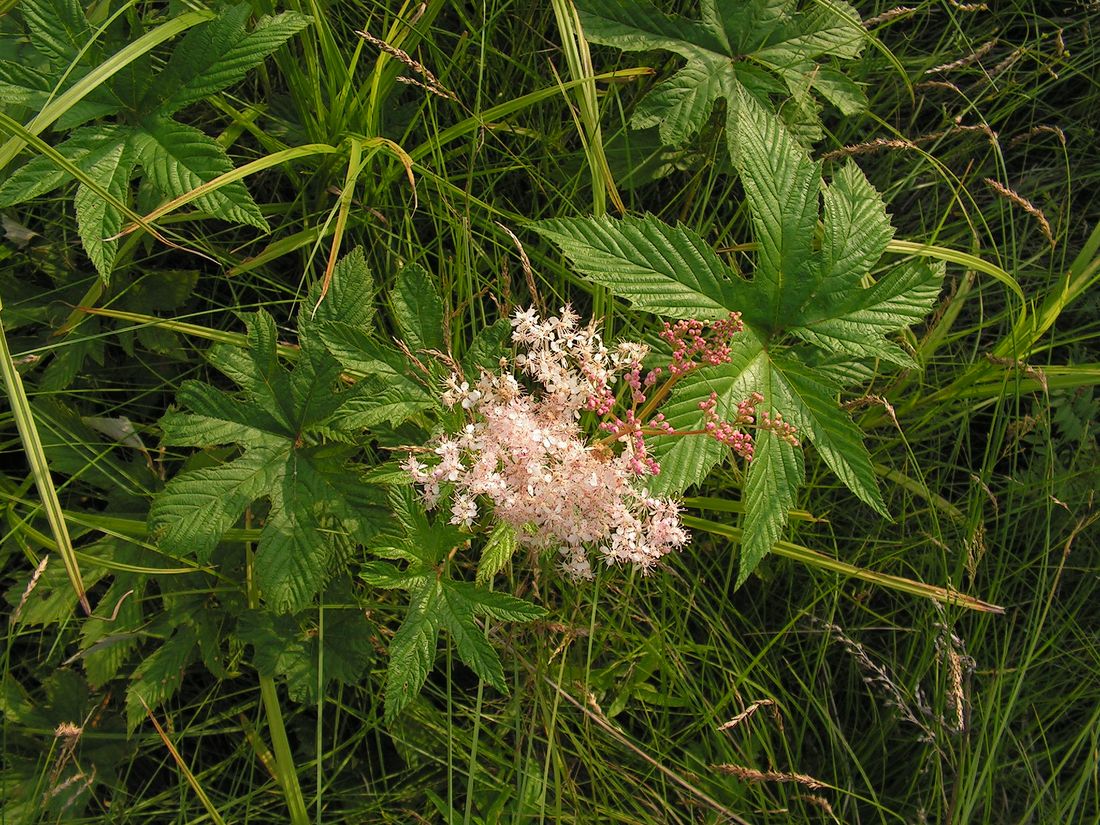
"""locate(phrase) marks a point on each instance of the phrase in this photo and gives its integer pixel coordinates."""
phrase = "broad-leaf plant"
(815, 318)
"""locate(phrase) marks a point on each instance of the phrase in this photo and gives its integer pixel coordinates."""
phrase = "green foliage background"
(180, 186)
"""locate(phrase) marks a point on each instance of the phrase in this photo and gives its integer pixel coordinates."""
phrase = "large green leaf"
(97, 219)
(216, 55)
(293, 565)
(660, 268)
(857, 228)
(412, 649)
(279, 420)
(58, 28)
(766, 48)
(160, 675)
(815, 321)
(84, 148)
(418, 309)
(197, 507)
(469, 639)
(854, 321)
(782, 185)
(775, 474)
(179, 158)
(810, 403)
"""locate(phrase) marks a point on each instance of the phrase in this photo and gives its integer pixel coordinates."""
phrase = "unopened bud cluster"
(525, 454)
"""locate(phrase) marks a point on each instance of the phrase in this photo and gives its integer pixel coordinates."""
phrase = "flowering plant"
(527, 454)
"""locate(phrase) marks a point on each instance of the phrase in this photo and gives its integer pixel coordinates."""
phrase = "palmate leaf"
(436, 601)
(314, 502)
(766, 48)
(812, 323)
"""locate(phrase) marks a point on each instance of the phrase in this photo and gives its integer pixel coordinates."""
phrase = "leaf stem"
(285, 772)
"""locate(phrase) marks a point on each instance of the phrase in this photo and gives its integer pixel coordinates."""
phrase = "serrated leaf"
(854, 321)
(215, 55)
(811, 406)
(389, 577)
(469, 639)
(729, 52)
(357, 351)
(781, 184)
(666, 270)
(197, 507)
(296, 554)
(84, 149)
(179, 158)
(498, 551)
(159, 675)
(349, 299)
(857, 229)
(775, 474)
(496, 605)
(58, 28)
(418, 309)
(97, 219)
(412, 649)
(381, 402)
(216, 418)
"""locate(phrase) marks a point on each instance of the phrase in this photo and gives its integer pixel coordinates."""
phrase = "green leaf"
(666, 270)
(349, 299)
(469, 639)
(215, 55)
(499, 606)
(498, 551)
(392, 395)
(857, 229)
(811, 405)
(418, 309)
(216, 418)
(98, 220)
(179, 158)
(781, 184)
(854, 321)
(488, 347)
(388, 577)
(160, 675)
(382, 402)
(775, 474)
(734, 49)
(197, 507)
(296, 552)
(58, 28)
(412, 649)
(84, 148)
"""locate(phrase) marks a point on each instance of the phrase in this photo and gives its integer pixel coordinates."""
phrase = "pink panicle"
(523, 453)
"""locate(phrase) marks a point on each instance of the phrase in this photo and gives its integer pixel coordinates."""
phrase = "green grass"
(903, 709)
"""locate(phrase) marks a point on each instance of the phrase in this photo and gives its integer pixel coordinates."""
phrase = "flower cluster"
(525, 454)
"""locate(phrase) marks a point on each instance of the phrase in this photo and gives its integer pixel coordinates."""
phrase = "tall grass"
(801, 696)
